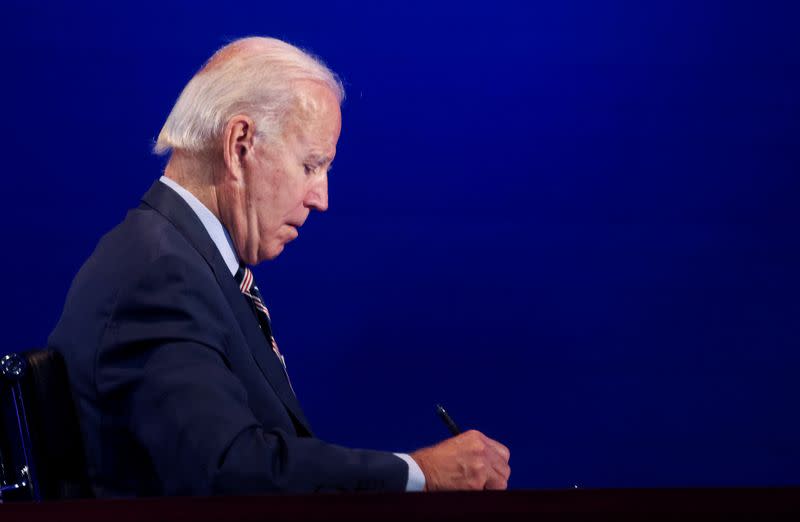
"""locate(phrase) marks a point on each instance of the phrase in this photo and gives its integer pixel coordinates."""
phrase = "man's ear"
(238, 141)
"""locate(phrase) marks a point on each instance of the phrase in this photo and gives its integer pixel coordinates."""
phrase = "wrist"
(422, 462)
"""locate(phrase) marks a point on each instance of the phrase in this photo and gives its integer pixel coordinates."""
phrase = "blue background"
(572, 223)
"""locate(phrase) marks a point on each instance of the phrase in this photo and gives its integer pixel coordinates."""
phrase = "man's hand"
(467, 461)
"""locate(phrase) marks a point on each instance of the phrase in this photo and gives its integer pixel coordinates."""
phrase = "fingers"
(499, 468)
(491, 465)
(503, 451)
(470, 460)
(495, 482)
(500, 471)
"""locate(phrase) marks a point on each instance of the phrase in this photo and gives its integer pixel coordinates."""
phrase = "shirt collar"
(218, 234)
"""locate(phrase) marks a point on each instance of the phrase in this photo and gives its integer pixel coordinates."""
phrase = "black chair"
(41, 450)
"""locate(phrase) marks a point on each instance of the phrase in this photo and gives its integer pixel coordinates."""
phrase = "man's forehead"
(312, 96)
(316, 120)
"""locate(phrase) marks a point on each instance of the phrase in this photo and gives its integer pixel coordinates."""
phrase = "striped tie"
(248, 287)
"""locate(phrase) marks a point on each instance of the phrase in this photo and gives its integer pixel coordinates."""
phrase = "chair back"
(41, 450)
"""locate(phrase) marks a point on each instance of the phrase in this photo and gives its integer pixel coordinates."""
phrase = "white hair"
(254, 76)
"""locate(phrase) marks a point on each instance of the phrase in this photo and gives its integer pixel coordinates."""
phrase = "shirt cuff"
(416, 479)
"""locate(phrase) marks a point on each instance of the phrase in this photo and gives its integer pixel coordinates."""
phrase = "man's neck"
(196, 175)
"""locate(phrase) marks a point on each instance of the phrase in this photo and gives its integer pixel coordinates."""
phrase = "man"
(179, 383)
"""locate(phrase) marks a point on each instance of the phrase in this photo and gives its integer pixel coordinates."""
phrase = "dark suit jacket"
(177, 390)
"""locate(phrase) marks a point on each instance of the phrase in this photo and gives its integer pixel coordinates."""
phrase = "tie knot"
(245, 279)
(247, 285)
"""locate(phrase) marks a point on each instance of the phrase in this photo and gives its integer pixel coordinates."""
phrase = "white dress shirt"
(221, 238)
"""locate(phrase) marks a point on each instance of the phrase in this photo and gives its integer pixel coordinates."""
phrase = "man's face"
(289, 174)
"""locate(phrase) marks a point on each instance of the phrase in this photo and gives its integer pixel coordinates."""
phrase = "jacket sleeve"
(163, 363)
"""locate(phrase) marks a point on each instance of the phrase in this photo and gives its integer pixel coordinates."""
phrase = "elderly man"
(179, 382)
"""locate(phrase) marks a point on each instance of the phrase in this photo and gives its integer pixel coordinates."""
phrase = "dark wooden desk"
(598, 504)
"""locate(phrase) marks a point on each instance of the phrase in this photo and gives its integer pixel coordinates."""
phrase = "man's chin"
(273, 251)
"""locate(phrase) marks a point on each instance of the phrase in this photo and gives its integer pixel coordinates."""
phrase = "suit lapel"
(168, 203)
(265, 358)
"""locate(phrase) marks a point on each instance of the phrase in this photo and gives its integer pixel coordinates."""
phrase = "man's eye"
(309, 168)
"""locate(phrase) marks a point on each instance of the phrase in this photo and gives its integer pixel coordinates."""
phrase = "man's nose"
(317, 196)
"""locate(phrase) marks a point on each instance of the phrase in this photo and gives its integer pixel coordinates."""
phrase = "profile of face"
(284, 178)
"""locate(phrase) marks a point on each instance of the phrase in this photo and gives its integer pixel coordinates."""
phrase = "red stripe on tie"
(248, 276)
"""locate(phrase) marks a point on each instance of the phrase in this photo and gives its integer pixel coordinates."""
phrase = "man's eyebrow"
(319, 158)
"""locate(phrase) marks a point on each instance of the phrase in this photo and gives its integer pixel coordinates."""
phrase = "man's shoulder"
(145, 246)
(142, 237)
(128, 268)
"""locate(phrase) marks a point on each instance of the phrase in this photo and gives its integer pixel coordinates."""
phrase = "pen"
(447, 420)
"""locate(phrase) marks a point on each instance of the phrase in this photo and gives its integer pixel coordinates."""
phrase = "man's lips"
(295, 228)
